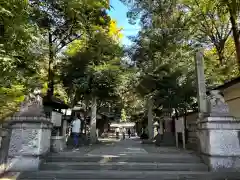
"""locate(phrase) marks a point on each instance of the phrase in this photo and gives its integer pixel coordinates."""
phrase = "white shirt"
(76, 126)
(117, 130)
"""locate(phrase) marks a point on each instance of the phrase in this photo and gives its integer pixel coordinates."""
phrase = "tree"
(217, 21)
(233, 8)
(92, 69)
(24, 27)
(64, 22)
(19, 55)
(161, 54)
(208, 24)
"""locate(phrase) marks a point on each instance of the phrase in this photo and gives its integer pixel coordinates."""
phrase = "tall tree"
(20, 54)
(161, 53)
(233, 8)
(64, 22)
(93, 69)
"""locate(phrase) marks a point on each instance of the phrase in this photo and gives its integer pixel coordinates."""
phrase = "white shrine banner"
(56, 119)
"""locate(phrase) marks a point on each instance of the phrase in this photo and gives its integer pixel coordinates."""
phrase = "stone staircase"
(152, 167)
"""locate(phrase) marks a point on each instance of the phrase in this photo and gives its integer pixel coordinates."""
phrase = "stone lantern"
(30, 134)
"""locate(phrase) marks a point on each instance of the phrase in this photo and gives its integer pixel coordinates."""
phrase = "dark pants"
(76, 139)
(117, 135)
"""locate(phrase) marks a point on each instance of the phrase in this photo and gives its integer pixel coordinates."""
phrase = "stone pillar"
(30, 141)
(201, 85)
(64, 128)
(218, 133)
(93, 123)
(150, 118)
(168, 135)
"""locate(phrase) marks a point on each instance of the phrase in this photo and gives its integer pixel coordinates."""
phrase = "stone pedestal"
(58, 143)
(64, 127)
(30, 141)
(168, 138)
(220, 142)
(158, 139)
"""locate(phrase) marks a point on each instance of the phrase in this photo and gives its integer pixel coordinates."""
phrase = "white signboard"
(56, 119)
(179, 125)
(179, 128)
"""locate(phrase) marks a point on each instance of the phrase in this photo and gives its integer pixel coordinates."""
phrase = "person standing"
(129, 133)
(76, 129)
(123, 132)
(117, 132)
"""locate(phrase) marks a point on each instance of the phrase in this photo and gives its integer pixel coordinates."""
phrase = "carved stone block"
(220, 142)
(29, 141)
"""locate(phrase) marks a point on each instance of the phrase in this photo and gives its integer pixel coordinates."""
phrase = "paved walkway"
(131, 147)
(119, 148)
(126, 159)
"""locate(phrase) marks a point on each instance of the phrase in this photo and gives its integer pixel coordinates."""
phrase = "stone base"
(158, 139)
(58, 143)
(221, 163)
(30, 140)
(23, 163)
(193, 146)
(147, 141)
(219, 143)
(168, 139)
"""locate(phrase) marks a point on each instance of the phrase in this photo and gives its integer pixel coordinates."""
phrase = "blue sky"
(118, 13)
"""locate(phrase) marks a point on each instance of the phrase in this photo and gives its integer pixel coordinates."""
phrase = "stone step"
(162, 158)
(125, 166)
(127, 175)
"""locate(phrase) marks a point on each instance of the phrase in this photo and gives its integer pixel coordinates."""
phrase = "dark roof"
(228, 84)
(54, 102)
(188, 113)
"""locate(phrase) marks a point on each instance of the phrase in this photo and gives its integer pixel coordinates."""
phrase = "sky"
(118, 13)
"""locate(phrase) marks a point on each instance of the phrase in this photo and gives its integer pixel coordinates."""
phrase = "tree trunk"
(50, 91)
(236, 34)
(86, 114)
(150, 118)
(93, 122)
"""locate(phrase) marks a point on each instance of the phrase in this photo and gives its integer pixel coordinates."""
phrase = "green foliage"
(123, 115)
(162, 63)
(92, 66)
(164, 48)
(163, 56)
(24, 46)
